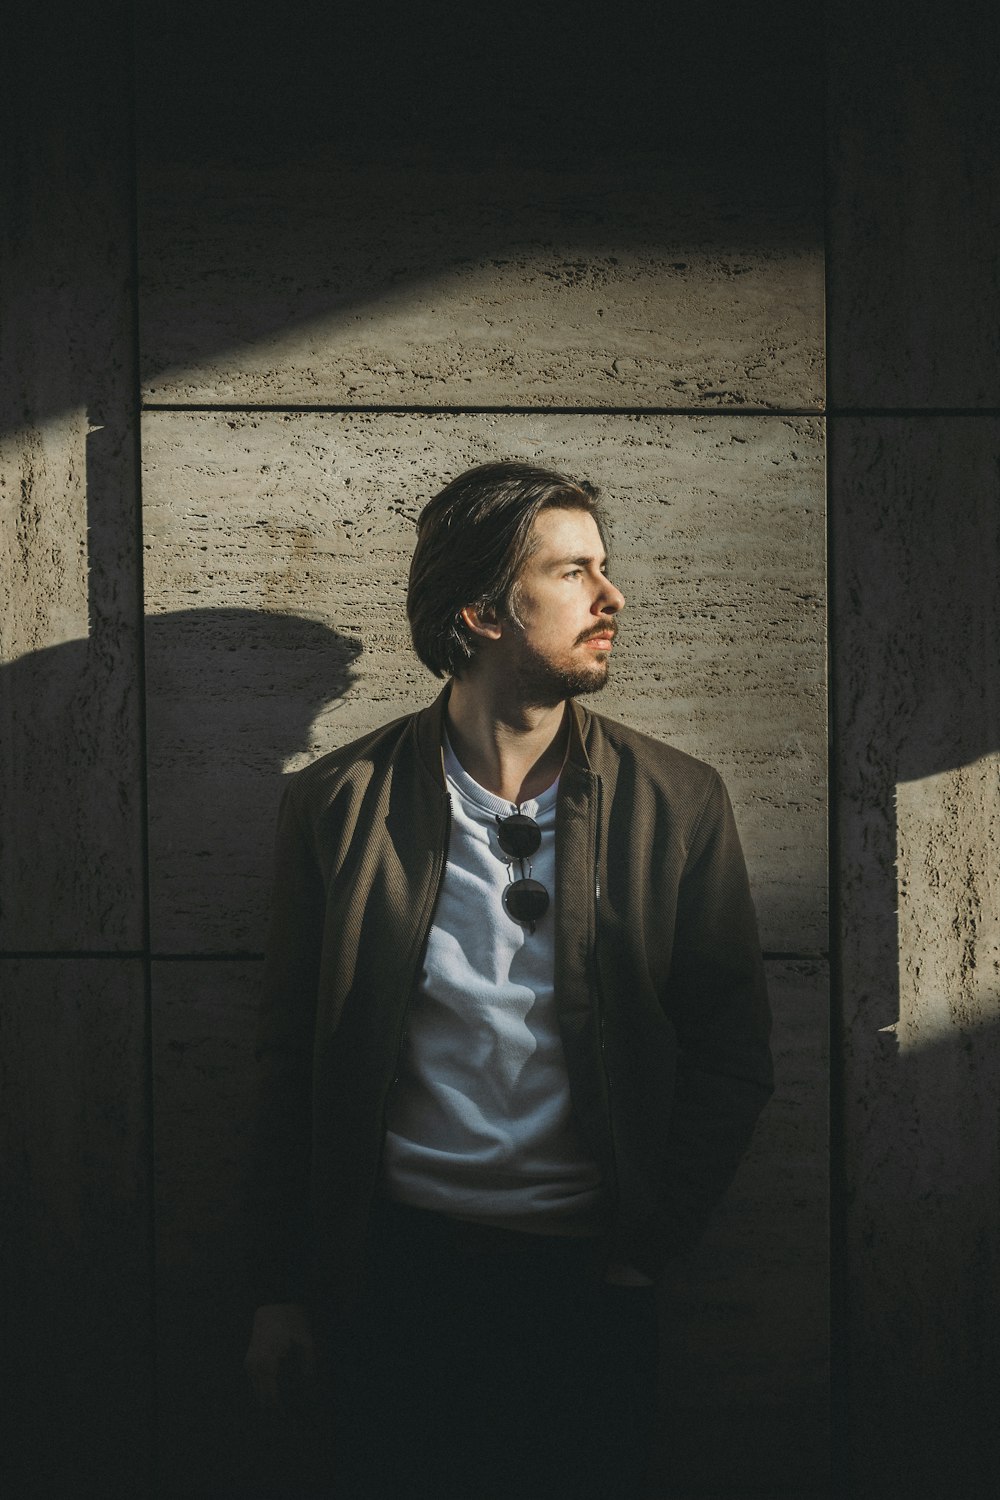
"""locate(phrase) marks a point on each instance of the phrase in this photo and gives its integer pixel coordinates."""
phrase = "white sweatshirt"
(479, 1122)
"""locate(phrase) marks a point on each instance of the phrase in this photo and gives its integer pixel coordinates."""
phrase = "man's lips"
(602, 642)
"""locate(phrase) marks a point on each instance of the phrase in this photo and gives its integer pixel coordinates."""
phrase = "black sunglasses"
(524, 900)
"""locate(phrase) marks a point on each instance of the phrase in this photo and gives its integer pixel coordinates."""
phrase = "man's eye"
(574, 573)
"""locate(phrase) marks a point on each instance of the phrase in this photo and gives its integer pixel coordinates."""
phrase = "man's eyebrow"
(577, 562)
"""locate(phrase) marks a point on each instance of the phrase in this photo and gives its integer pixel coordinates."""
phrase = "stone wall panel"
(914, 218)
(745, 1317)
(76, 1267)
(71, 865)
(277, 551)
(917, 541)
(212, 1441)
(626, 282)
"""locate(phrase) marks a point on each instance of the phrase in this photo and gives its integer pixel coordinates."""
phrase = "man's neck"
(514, 752)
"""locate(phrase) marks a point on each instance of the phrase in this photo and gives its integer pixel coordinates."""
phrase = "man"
(514, 1034)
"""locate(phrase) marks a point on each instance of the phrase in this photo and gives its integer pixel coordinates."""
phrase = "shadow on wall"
(916, 738)
(374, 150)
(245, 688)
(520, 75)
(237, 695)
(923, 1273)
(482, 206)
(238, 691)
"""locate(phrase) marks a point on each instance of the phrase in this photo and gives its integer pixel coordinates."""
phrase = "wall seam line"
(293, 407)
(838, 1322)
(132, 147)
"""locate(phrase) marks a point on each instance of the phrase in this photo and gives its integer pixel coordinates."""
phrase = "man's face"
(567, 607)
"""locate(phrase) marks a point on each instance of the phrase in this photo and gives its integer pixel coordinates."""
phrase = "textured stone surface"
(629, 282)
(70, 872)
(718, 539)
(917, 541)
(211, 1441)
(75, 1207)
(914, 217)
(744, 1318)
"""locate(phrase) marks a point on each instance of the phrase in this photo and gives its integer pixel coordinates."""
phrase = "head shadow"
(233, 696)
(233, 700)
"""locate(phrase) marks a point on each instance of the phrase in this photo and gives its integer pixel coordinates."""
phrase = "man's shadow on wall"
(234, 696)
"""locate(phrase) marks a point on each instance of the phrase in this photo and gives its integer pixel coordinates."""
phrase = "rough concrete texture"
(625, 283)
(75, 1206)
(277, 553)
(70, 871)
(914, 115)
(918, 735)
(744, 1318)
(210, 1437)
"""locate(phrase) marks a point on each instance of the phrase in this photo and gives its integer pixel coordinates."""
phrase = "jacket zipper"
(615, 1186)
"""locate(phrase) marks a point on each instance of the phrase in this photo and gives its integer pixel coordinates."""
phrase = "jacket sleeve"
(717, 999)
(277, 1179)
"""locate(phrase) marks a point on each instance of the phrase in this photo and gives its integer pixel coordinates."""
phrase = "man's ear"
(482, 622)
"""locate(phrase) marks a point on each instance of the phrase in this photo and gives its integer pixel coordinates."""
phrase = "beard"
(544, 683)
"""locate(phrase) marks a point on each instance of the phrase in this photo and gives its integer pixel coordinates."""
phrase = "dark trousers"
(490, 1365)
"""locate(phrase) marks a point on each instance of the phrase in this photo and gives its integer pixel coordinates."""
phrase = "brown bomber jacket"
(659, 989)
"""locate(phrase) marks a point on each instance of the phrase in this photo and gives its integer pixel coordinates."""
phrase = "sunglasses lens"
(520, 836)
(526, 900)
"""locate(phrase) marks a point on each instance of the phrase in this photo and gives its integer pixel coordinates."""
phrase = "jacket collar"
(428, 727)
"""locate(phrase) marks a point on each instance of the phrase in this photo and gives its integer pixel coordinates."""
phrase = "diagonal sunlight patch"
(949, 903)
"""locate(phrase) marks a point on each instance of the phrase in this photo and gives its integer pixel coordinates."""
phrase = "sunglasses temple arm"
(521, 862)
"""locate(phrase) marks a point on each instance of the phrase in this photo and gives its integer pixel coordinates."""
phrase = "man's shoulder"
(355, 763)
(612, 743)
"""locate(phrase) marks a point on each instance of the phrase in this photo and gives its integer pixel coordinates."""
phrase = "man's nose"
(610, 600)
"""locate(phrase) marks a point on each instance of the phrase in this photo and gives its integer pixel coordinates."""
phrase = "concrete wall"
(75, 1130)
(718, 539)
(914, 371)
(324, 321)
(326, 335)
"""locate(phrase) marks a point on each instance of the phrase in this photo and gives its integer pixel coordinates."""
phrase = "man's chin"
(545, 684)
(588, 682)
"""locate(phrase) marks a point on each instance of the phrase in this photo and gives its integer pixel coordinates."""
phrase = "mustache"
(591, 635)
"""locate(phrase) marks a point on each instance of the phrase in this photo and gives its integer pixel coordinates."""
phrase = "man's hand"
(281, 1356)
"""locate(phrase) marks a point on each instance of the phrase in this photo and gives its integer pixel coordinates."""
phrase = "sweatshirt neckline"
(428, 725)
(485, 800)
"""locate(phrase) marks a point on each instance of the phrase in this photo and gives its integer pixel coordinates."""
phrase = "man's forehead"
(565, 533)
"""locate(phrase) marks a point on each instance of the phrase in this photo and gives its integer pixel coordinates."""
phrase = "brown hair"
(473, 539)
